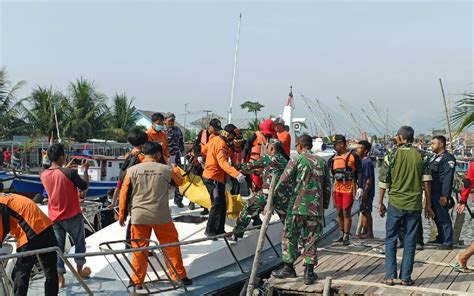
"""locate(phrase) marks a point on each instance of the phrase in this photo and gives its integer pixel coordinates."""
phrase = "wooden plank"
(448, 279)
(462, 282)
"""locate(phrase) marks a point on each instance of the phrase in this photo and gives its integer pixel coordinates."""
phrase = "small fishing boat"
(103, 175)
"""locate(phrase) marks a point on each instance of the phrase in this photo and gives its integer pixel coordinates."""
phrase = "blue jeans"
(73, 226)
(442, 220)
(409, 221)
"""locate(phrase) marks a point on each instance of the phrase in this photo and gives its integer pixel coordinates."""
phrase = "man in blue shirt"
(368, 171)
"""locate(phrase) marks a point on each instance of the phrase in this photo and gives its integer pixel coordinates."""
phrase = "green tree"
(253, 107)
(462, 116)
(10, 121)
(87, 112)
(121, 119)
(39, 112)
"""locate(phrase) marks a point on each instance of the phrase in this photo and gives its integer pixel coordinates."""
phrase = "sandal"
(408, 282)
(389, 282)
(459, 268)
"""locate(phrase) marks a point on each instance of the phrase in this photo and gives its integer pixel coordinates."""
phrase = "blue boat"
(30, 185)
(103, 175)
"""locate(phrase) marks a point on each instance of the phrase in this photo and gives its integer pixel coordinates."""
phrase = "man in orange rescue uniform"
(346, 168)
(216, 167)
(157, 134)
(33, 230)
(149, 182)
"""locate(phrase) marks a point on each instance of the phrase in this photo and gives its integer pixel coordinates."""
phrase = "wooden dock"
(358, 269)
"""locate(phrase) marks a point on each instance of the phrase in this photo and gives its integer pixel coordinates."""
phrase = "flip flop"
(389, 282)
(409, 282)
(456, 266)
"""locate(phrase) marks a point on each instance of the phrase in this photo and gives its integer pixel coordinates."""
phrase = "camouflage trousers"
(304, 229)
(255, 206)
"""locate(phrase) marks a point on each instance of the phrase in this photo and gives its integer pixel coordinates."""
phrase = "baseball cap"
(215, 123)
(338, 138)
(279, 120)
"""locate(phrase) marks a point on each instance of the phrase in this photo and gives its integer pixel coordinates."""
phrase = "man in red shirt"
(64, 208)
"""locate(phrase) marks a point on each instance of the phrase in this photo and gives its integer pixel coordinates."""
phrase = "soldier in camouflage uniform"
(175, 148)
(272, 163)
(311, 193)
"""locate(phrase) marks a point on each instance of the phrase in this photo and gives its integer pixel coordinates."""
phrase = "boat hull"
(30, 185)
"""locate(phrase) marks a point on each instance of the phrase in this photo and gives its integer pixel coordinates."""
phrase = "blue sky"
(167, 53)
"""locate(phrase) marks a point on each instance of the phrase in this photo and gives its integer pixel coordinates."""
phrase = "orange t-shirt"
(217, 164)
(347, 186)
(160, 137)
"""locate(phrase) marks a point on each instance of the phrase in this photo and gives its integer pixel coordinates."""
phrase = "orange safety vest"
(343, 168)
(256, 151)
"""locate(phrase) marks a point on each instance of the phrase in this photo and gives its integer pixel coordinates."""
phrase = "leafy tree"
(38, 111)
(10, 121)
(253, 107)
(121, 118)
(462, 116)
(87, 112)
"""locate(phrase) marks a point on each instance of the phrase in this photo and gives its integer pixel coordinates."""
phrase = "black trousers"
(24, 265)
(216, 220)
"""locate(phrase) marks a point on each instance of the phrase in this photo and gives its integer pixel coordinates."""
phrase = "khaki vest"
(150, 183)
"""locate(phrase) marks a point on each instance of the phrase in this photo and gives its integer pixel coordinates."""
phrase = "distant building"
(203, 122)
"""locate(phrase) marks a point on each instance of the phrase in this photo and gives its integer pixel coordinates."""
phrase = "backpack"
(131, 160)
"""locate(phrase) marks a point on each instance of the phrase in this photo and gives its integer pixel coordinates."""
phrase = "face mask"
(158, 128)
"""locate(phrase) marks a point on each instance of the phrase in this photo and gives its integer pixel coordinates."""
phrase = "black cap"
(215, 123)
(230, 128)
(338, 138)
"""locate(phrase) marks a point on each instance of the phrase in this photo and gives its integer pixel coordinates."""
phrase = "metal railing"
(6, 285)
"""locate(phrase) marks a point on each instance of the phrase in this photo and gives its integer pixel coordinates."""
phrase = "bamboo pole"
(261, 236)
(447, 117)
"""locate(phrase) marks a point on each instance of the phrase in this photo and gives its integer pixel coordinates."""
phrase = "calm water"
(429, 227)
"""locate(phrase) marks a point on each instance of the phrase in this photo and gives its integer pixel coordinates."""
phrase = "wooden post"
(327, 286)
(261, 236)
(457, 227)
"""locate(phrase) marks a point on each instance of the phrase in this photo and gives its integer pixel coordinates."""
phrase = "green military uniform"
(310, 195)
(267, 166)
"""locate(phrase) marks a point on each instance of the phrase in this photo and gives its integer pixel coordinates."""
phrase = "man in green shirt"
(405, 174)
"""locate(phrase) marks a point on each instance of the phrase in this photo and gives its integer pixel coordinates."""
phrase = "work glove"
(201, 160)
(241, 178)
(359, 193)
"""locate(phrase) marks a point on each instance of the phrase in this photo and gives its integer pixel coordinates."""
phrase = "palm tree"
(462, 116)
(39, 111)
(87, 111)
(10, 121)
(123, 117)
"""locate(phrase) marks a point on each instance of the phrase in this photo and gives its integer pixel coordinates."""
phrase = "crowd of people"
(301, 195)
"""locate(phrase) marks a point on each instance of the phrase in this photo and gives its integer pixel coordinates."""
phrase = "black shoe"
(339, 240)
(257, 221)
(191, 206)
(309, 276)
(179, 204)
(187, 281)
(419, 247)
(345, 240)
(204, 212)
(435, 241)
(445, 247)
(400, 245)
(287, 271)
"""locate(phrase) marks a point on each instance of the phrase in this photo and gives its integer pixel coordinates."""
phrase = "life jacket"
(340, 167)
(258, 146)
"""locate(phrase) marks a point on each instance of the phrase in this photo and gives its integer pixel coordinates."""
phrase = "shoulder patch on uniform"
(451, 163)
